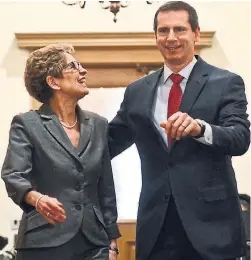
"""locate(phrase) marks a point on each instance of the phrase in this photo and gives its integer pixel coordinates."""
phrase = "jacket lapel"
(85, 130)
(53, 126)
(153, 81)
(195, 85)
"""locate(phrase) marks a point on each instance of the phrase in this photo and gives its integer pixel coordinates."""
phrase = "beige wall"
(231, 49)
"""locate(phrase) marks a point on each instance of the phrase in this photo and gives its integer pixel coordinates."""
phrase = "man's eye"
(163, 30)
(180, 29)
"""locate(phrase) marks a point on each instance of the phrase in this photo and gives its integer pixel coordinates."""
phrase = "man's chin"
(175, 60)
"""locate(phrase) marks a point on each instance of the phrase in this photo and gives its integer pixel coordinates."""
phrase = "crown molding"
(95, 40)
(108, 49)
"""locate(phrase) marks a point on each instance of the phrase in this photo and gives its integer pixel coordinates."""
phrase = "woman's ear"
(52, 83)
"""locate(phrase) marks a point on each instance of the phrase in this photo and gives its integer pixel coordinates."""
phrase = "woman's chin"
(83, 93)
(86, 91)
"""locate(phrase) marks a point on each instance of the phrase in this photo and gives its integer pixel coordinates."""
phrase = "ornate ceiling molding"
(107, 49)
(95, 40)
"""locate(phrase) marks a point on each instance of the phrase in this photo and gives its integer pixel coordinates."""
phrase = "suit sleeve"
(107, 197)
(120, 133)
(17, 165)
(232, 135)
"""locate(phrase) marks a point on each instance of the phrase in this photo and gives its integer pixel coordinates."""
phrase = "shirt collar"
(185, 72)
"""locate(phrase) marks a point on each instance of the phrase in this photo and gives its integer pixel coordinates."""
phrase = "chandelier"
(113, 6)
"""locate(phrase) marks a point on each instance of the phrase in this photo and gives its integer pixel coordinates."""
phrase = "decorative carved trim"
(94, 40)
(107, 49)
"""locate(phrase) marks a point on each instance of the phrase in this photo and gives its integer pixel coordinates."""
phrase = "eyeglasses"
(73, 66)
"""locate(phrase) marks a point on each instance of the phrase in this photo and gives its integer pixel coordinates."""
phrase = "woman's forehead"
(69, 58)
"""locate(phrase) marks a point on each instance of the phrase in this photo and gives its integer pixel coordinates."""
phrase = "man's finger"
(189, 129)
(163, 124)
(171, 120)
(182, 129)
(174, 116)
(180, 120)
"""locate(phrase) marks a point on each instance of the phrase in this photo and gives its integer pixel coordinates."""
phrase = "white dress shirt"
(160, 105)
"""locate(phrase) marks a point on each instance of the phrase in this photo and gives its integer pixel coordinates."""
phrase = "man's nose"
(171, 36)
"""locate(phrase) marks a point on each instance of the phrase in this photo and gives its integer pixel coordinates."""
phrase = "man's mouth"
(173, 48)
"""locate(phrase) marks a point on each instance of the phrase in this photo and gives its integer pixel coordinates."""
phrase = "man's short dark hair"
(178, 6)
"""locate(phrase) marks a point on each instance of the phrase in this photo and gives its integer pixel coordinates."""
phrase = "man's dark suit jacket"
(40, 156)
(200, 177)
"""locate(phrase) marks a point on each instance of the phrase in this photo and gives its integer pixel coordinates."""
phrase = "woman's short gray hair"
(47, 61)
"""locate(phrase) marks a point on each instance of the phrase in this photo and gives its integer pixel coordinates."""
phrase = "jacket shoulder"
(217, 72)
(95, 117)
(148, 78)
(26, 117)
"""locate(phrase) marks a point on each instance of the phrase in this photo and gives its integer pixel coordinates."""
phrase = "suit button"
(78, 187)
(78, 207)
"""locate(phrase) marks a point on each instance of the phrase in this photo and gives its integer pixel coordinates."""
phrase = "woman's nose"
(82, 70)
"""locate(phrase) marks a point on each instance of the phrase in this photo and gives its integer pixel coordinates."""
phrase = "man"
(187, 120)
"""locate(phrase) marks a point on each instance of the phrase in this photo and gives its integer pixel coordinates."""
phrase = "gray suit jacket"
(40, 156)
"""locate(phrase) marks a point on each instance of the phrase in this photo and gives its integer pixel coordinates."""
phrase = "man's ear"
(52, 82)
(197, 34)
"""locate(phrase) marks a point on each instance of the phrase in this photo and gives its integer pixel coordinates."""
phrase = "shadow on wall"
(14, 60)
(216, 55)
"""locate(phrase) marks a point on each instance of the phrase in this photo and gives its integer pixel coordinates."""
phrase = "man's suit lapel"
(195, 85)
(153, 81)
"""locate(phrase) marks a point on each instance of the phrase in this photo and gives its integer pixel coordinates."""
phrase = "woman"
(57, 167)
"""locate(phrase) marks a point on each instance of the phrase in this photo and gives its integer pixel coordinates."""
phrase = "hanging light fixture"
(113, 6)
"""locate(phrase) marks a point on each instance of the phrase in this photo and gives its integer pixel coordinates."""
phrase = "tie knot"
(176, 78)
